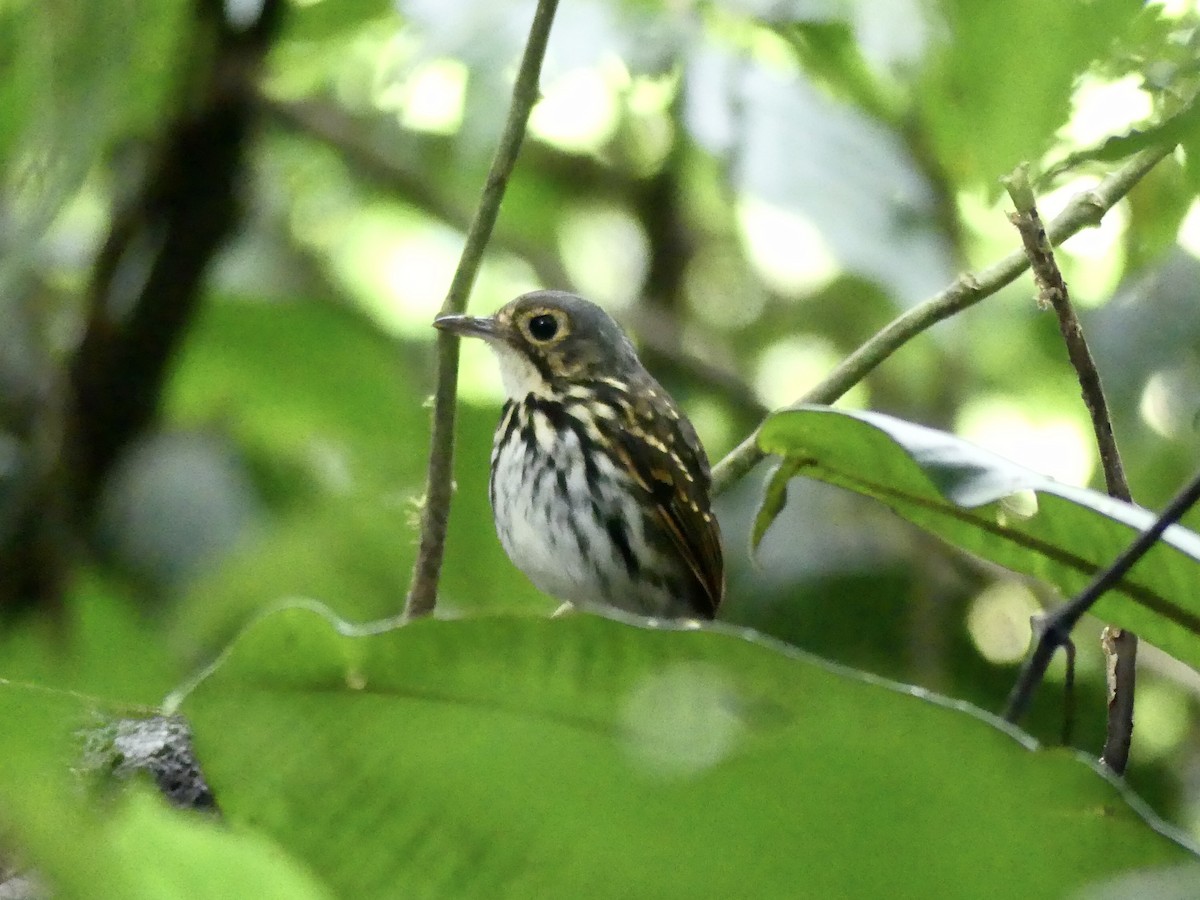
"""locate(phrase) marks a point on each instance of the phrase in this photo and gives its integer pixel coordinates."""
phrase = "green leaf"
(133, 849)
(168, 853)
(517, 757)
(1001, 84)
(774, 499)
(101, 646)
(958, 491)
(1181, 127)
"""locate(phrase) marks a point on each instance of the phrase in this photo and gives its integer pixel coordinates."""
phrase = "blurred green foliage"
(754, 189)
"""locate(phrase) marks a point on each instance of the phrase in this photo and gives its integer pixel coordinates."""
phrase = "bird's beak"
(469, 326)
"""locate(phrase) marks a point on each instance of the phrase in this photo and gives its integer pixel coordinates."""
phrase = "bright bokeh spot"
(1093, 260)
(711, 421)
(786, 250)
(1189, 230)
(605, 253)
(398, 265)
(434, 96)
(243, 13)
(681, 720)
(998, 621)
(1169, 402)
(479, 374)
(1162, 719)
(577, 112)
(1102, 108)
(1049, 443)
(1017, 506)
(718, 294)
(1173, 9)
(788, 368)
(648, 96)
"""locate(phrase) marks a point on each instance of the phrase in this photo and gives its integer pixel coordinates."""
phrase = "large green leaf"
(957, 491)
(519, 757)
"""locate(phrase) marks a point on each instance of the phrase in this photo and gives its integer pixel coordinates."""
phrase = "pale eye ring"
(543, 327)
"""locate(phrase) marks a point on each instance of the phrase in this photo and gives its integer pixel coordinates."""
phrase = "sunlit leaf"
(1001, 83)
(962, 493)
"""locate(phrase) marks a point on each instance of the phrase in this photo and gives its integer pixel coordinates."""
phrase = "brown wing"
(660, 450)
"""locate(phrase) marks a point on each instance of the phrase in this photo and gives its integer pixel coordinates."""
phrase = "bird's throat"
(519, 375)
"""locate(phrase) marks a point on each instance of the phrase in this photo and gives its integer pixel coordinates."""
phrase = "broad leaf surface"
(958, 491)
(512, 757)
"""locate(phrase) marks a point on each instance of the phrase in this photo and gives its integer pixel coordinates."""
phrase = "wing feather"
(660, 450)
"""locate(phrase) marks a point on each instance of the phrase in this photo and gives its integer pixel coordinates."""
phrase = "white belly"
(559, 531)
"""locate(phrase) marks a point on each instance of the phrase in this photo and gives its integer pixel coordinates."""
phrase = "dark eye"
(543, 327)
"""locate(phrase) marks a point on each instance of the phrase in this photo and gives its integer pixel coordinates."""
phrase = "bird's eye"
(543, 327)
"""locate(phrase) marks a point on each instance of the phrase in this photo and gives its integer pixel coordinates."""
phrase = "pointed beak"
(469, 326)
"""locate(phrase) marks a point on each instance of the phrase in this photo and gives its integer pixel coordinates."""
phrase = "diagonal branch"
(422, 592)
(1064, 619)
(1052, 292)
(1084, 210)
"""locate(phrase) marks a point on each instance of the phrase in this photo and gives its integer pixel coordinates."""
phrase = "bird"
(599, 485)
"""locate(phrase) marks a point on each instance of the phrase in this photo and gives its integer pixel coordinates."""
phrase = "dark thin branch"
(422, 593)
(1120, 658)
(146, 283)
(1084, 210)
(1052, 292)
(1059, 624)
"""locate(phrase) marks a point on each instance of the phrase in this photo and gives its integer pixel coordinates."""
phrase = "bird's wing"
(660, 450)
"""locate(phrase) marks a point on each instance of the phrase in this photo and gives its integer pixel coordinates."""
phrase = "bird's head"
(548, 340)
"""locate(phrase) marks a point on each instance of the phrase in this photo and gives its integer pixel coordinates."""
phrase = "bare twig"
(1120, 657)
(1058, 625)
(1084, 210)
(422, 592)
(1052, 292)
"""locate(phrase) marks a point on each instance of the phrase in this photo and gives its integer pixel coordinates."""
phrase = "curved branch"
(1084, 210)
